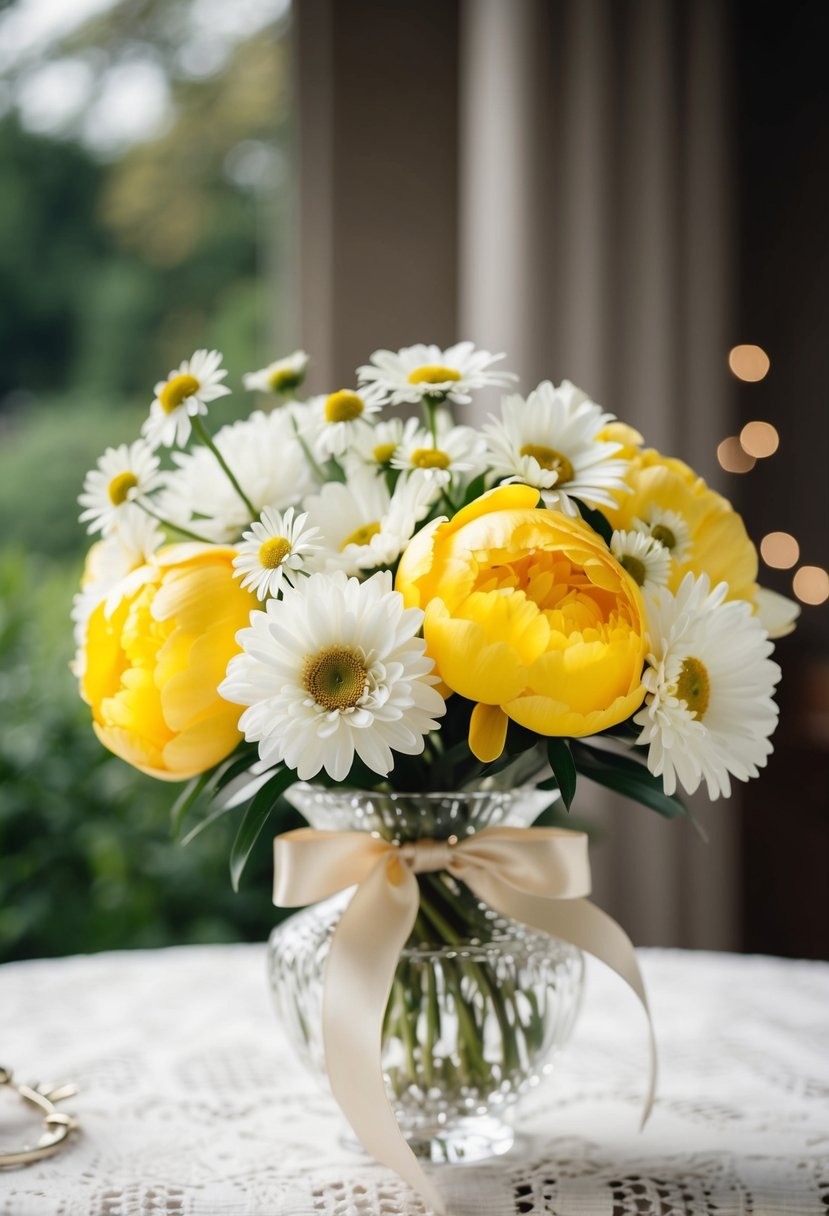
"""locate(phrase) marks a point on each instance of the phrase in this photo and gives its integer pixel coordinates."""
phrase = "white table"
(192, 1104)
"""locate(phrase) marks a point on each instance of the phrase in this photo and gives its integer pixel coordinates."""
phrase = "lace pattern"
(191, 1104)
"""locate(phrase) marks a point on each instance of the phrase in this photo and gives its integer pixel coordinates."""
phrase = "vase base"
(459, 1143)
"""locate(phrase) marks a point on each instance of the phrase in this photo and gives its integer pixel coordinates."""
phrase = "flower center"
(273, 551)
(549, 458)
(343, 406)
(693, 686)
(384, 452)
(361, 535)
(433, 373)
(335, 677)
(635, 568)
(120, 487)
(176, 390)
(284, 379)
(664, 535)
(430, 458)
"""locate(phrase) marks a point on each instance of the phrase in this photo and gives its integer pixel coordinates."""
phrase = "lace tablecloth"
(192, 1104)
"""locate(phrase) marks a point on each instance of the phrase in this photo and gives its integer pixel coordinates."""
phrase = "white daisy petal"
(274, 551)
(646, 560)
(708, 710)
(550, 441)
(316, 693)
(183, 395)
(123, 475)
(281, 377)
(420, 372)
(455, 452)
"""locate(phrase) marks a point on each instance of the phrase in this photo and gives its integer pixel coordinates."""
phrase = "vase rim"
(430, 795)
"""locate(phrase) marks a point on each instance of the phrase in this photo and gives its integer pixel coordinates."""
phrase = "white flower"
(777, 613)
(283, 376)
(646, 560)
(184, 394)
(416, 372)
(375, 445)
(122, 475)
(363, 525)
(550, 441)
(273, 551)
(669, 528)
(458, 449)
(111, 567)
(334, 423)
(708, 709)
(333, 668)
(267, 461)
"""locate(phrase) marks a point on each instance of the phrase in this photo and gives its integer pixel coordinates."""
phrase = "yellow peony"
(704, 532)
(529, 615)
(154, 660)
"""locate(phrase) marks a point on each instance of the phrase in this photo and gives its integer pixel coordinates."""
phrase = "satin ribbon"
(539, 876)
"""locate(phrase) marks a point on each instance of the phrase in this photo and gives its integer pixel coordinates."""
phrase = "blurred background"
(628, 193)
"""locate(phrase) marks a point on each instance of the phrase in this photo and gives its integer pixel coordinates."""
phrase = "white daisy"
(363, 524)
(777, 613)
(708, 709)
(274, 551)
(550, 441)
(123, 474)
(283, 376)
(334, 423)
(110, 566)
(375, 446)
(423, 372)
(184, 394)
(333, 668)
(268, 461)
(669, 528)
(646, 560)
(456, 450)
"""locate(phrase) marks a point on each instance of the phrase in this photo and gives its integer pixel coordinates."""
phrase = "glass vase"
(479, 1004)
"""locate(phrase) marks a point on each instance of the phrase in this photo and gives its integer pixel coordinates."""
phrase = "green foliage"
(86, 858)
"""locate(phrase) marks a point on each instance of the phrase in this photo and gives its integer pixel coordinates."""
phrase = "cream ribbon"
(539, 876)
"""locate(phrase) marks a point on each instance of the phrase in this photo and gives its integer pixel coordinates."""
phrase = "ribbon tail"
(362, 960)
(582, 924)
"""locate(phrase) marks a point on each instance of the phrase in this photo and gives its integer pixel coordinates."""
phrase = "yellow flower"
(704, 532)
(155, 659)
(529, 615)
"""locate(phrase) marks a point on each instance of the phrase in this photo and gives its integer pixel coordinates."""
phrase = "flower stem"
(205, 437)
(168, 523)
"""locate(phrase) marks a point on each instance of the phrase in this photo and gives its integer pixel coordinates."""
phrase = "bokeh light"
(780, 549)
(749, 362)
(759, 439)
(811, 585)
(733, 458)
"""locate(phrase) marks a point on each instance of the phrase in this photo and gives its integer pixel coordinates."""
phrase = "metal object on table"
(57, 1126)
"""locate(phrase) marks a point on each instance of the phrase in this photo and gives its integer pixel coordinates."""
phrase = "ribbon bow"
(539, 876)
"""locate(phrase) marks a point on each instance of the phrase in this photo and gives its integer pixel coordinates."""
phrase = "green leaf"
(186, 799)
(597, 521)
(626, 776)
(475, 489)
(564, 770)
(256, 815)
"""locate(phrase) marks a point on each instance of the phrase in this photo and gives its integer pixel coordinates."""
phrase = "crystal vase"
(479, 1004)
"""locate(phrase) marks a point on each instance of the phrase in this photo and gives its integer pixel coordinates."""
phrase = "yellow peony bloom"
(154, 659)
(710, 537)
(529, 615)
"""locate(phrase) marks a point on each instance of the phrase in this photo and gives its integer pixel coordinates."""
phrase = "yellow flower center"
(384, 452)
(361, 535)
(549, 458)
(693, 686)
(120, 486)
(343, 406)
(284, 379)
(635, 568)
(335, 677)
(664, 535)
(433, 373)
(273, 551)
(430, 458)
(176, 390)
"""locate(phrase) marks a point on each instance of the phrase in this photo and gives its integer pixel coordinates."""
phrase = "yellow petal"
(487, 732)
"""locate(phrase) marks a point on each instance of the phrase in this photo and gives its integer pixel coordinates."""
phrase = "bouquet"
(331, 592)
